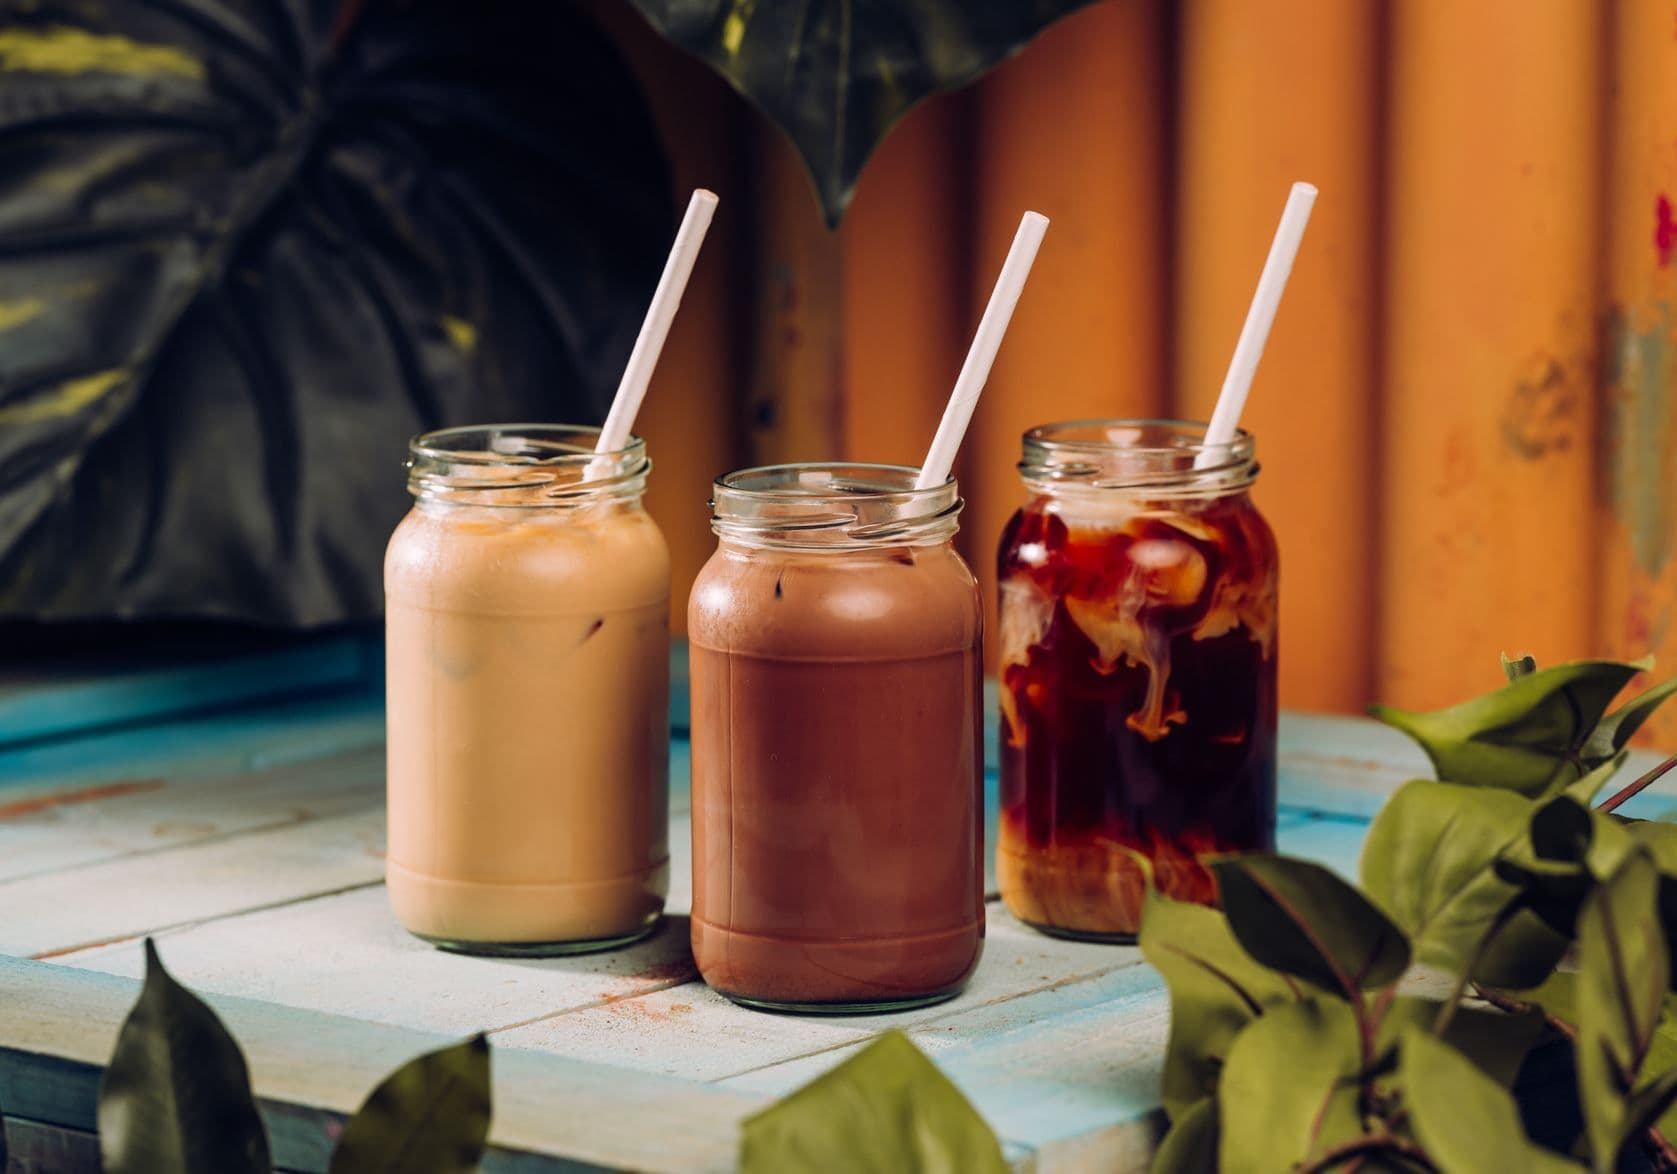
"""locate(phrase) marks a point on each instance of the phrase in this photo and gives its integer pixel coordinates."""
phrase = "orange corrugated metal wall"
(1465, 416)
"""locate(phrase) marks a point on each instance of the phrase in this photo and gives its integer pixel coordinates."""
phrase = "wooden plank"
(69, 828)
(227, 743)
(345, 954)
(36, 1148)
(133, 895)
(691, 1032)
(1070, 1073)
(46, 700)
(59, 1025)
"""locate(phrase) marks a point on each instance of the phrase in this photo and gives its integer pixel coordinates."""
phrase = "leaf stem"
(1629, 792)
(1448, 1014)
(1372, 1144)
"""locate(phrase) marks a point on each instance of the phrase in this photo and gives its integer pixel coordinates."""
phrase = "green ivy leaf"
(1289, 1090)
(176, 1095)
(1191, 1145)
(430, 1116)
(835, 77)
(1429, 861)
(1617, 728)
(1496, 1041)
(1297, 917)
(1570, 847)
(1558, 997)
(886, 1109)
(1528, 736)
(1621, 996)
(1216, 989)
(1465, 1121)
(1659, 839)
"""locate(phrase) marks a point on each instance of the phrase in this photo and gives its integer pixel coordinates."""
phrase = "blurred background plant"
(1473, 365)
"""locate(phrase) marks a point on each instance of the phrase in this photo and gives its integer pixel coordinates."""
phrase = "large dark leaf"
(1297, 917)
(836, 75)
(430, 1116)
(177, 1094)
(885, 1109)
(240, 267)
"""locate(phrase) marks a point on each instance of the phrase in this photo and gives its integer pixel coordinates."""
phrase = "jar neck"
(1145, 460)
(835, 507)
(524, 467)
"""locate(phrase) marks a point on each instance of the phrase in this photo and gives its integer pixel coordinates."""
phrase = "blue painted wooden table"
(234, 811)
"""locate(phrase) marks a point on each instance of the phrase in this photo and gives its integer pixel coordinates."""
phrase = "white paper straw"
(940, 458)
(655, 330)
(1225, 418)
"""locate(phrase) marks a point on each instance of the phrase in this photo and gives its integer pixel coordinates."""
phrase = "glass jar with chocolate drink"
(837, 742)
(527, 670)
(1137, 652)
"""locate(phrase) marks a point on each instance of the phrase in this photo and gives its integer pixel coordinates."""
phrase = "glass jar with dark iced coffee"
(837, 742)
(1137, 652)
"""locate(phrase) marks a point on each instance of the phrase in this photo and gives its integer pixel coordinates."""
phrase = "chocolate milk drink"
(527, 666)
(837, 757)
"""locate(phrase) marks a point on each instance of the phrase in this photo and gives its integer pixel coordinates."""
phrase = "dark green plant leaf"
(1191, 1145)
(1216, 989)
(1297, 917)
(1621, 996)
(1496, 1041)
(1659, 840)
(1529, 735)
(1517, 667)
(1558, 997)
(430, 1116)
(884, 1110)
(1570, 847)
(1617, 728)
(1429, 861)
(835, 77)
(176, 1095)
(1465, 1121)
(240, 267)
(1289, 1089)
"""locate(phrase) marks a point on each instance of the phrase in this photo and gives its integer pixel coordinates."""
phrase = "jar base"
(1093, 937)
(543, 949)
(866, 1007)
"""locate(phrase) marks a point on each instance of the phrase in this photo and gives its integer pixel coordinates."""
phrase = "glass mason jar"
(837, 742)
(527, 672)
(1137, 663)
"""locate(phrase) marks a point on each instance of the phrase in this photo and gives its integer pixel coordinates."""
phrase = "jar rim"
(1140, 453)
(523, 466)
(840, 479)
(833, 504)
(568, 442)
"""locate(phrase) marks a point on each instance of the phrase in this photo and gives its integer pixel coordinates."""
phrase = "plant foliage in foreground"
(1319, 1026)
(176, 1096)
